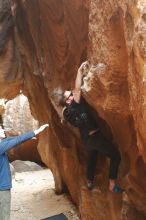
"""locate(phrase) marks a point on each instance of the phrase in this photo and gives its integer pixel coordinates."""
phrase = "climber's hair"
(63, 97)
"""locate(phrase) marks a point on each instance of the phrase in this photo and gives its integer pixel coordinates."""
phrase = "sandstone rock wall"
(17, 119)
(52, 39)
(119, 45)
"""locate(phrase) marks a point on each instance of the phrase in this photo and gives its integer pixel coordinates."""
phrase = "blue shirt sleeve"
(12, 142)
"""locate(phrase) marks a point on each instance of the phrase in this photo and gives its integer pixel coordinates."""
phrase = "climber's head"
(67, 98)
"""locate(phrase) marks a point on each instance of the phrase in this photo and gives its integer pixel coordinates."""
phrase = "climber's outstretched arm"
(78, 82)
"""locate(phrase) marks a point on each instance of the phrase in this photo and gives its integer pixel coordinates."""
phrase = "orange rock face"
(26, 151)
(52, 38)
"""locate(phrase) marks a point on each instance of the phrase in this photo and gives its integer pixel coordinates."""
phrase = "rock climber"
(75, 111)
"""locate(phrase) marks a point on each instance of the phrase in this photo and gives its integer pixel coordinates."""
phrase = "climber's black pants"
(98, 143)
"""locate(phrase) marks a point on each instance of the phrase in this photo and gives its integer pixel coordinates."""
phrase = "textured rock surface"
(17, 119)
(120, 88)
(25, 151)
(53, 38)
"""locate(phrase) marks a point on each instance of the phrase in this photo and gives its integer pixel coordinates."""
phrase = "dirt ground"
(33, 197)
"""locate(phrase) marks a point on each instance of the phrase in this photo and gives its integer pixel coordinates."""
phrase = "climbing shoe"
(117, 189)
